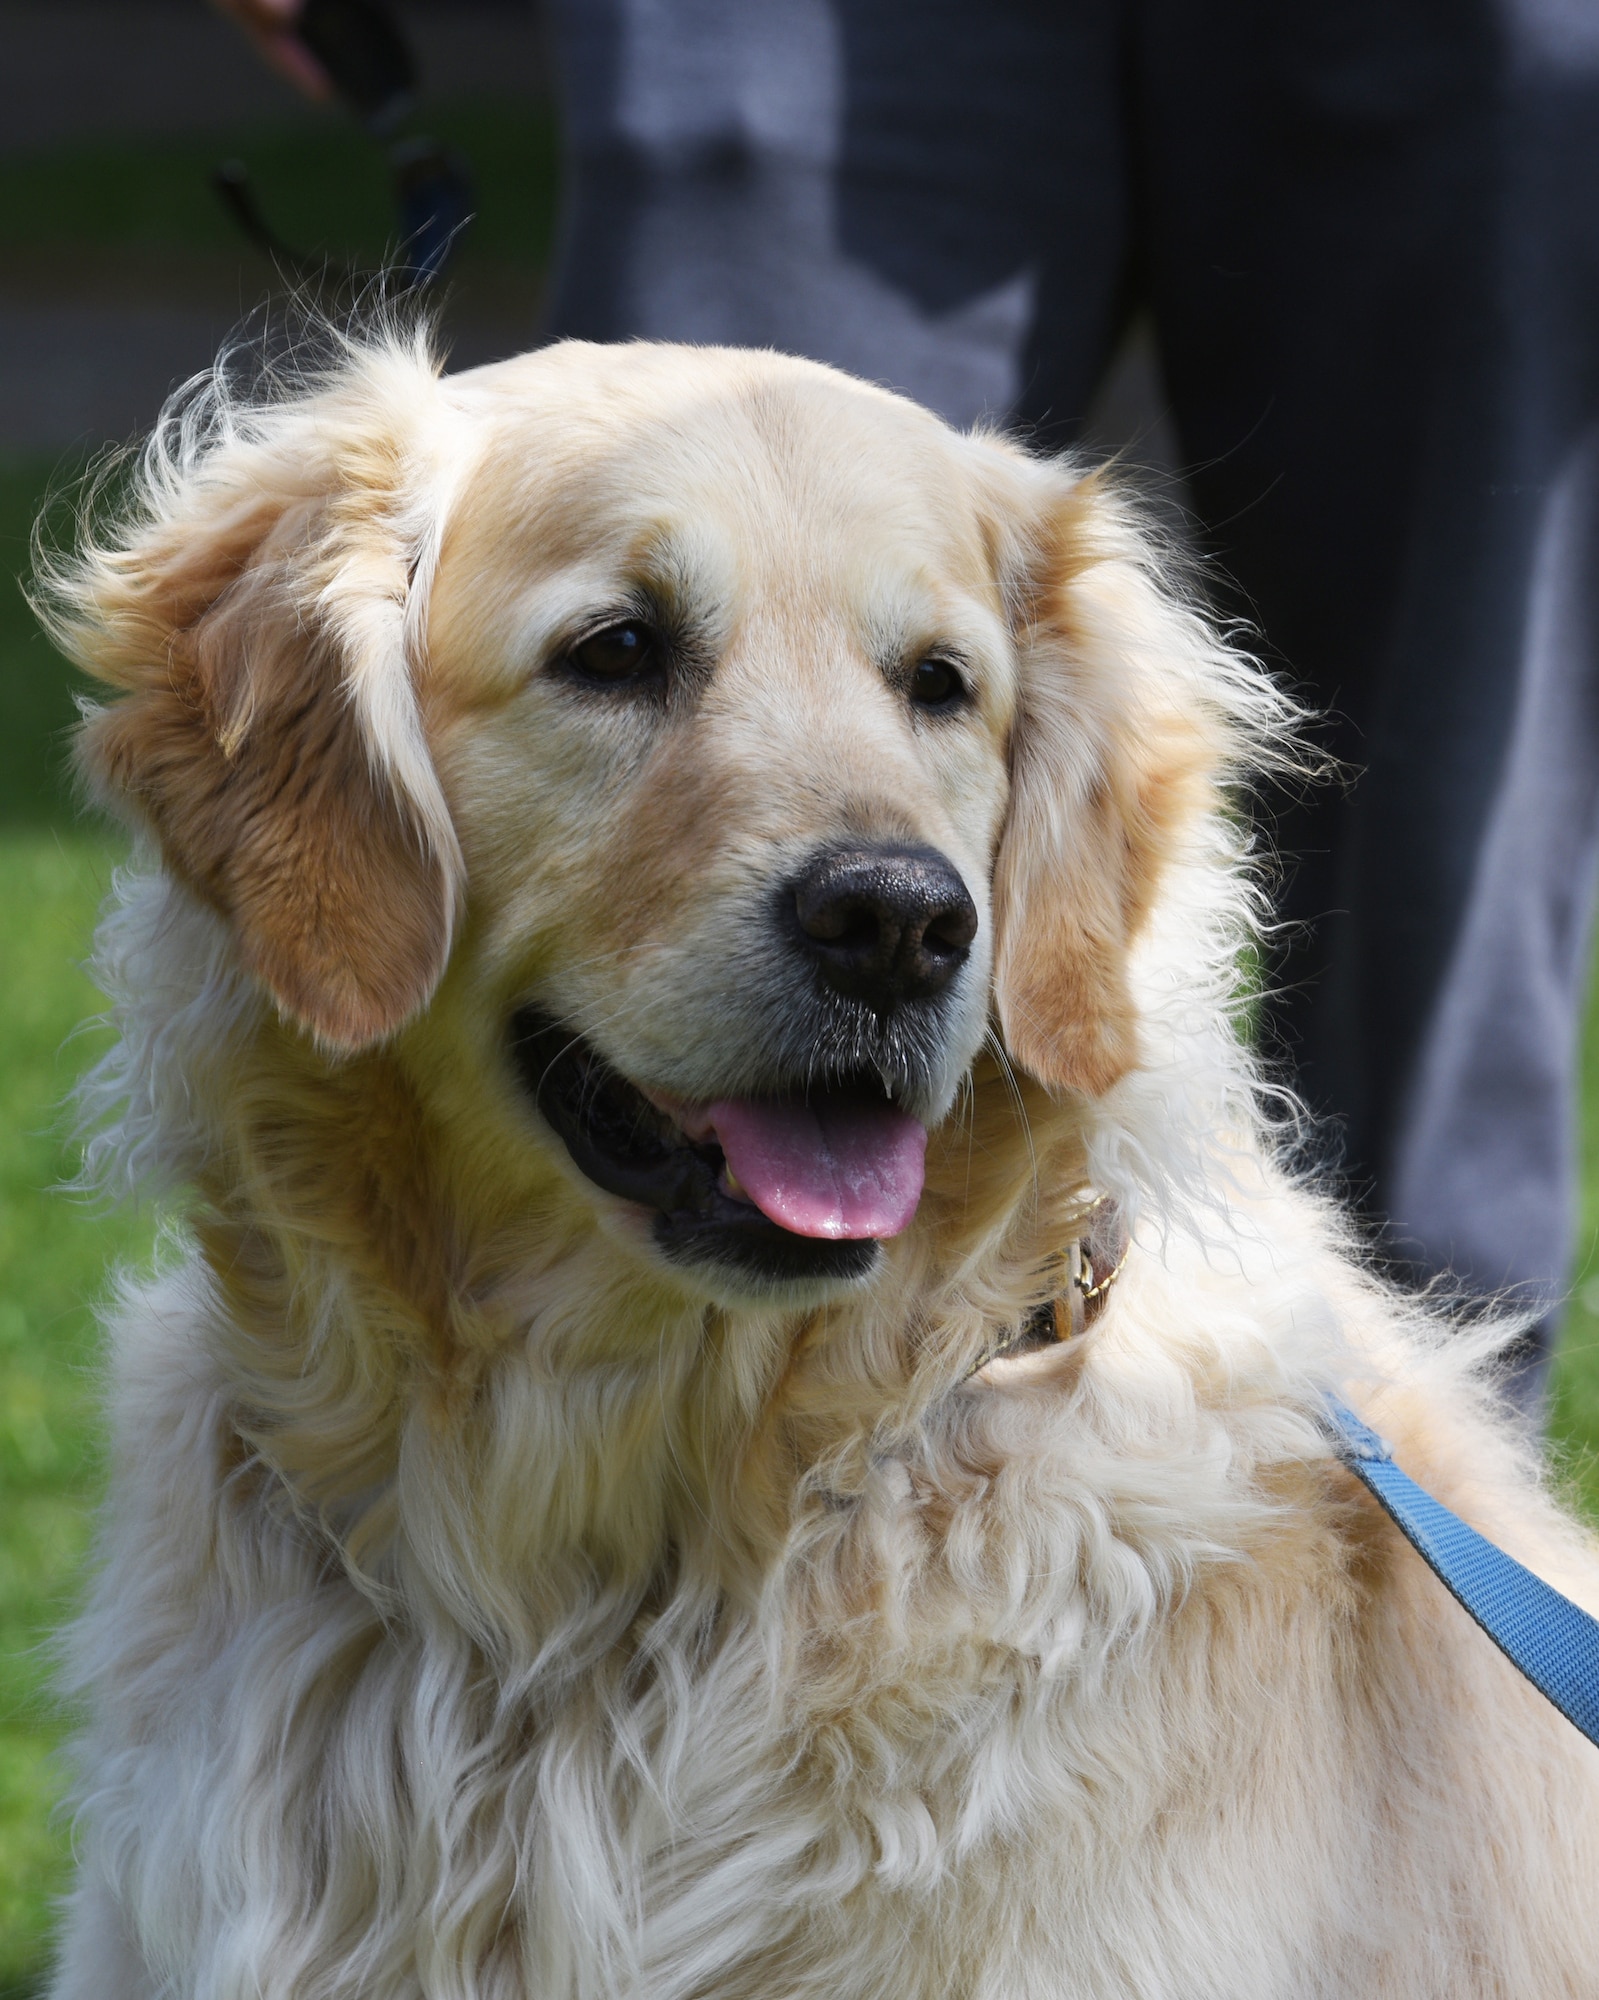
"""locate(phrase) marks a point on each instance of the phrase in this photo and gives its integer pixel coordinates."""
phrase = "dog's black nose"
(885, 924)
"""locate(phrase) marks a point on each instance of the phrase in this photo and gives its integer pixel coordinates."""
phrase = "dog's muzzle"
(801, 1177)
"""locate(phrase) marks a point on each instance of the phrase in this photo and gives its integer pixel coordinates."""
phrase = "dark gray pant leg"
(1372, 234)
(869, 184)
(1485, 1162)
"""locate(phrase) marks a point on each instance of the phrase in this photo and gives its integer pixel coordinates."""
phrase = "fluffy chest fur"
(1028, 1684)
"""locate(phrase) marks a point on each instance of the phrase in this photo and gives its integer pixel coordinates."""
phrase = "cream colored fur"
(486, 1609)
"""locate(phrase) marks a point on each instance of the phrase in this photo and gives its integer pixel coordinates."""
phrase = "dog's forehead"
(728, 470)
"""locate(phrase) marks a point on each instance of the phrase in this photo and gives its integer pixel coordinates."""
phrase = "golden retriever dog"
(677, 895)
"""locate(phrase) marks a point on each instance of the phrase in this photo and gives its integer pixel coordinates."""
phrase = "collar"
(1087, 1269)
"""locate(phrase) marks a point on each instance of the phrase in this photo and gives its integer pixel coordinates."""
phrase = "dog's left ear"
(257, 610)
(1114, 754)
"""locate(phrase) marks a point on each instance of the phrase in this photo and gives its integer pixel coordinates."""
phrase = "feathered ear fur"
(1118, 739)
(259, 611)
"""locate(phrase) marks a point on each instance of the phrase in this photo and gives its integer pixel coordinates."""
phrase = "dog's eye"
(619, 654)
(937, 684)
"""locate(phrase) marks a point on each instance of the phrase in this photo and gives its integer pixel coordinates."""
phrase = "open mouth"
(794, 1186)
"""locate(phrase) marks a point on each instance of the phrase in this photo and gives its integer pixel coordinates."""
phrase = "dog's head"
(684, 760)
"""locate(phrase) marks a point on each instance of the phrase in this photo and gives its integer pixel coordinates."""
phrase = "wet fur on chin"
(484, 1611)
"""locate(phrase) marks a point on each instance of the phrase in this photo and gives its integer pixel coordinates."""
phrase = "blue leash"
(1552, 1641)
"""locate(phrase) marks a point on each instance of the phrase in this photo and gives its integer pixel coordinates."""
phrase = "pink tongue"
(824, 1169)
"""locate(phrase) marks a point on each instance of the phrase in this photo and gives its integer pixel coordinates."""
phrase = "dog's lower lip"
(642, 1147)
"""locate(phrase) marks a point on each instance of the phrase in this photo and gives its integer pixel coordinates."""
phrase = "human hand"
(270, 25)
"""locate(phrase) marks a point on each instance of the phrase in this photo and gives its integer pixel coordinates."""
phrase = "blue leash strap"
(1553, 1641)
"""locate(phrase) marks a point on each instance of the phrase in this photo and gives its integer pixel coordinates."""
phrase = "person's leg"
(872, 183)
(1484, 1166)
(1371, 235)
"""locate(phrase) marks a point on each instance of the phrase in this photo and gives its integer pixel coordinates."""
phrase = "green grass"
(54, 1249)
(1574, 1402)
(53, 1254)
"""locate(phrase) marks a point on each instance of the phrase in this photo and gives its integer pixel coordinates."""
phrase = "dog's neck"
(573, 1419)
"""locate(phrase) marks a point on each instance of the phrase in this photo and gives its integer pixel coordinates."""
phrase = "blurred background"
(120, 273)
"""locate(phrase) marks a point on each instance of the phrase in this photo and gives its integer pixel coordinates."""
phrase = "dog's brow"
(688, 574)
(914, 622)
(905, 620)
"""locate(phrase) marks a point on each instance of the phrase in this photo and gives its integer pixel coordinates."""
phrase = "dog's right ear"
(260, 614)
(1128, 711)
